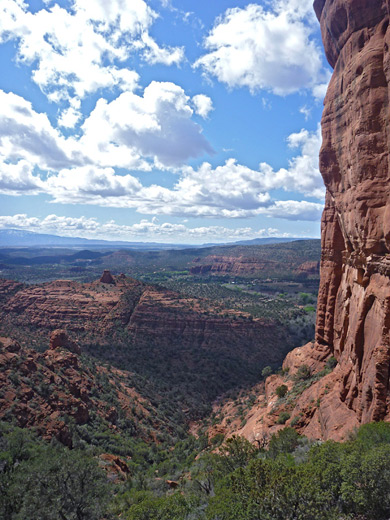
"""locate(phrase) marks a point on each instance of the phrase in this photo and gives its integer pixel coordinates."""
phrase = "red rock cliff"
(353, 317)
(354, 301)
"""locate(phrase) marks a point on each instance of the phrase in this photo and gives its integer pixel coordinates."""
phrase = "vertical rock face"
(353, 321)
(107, 277)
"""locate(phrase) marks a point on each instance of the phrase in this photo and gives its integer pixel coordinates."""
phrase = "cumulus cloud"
(84, 171)
(303, 174)
(203, 105)
(28, 135)
(158, 125)
(271, 49)
(294, 210)
(133, 131)
(231, 190)
(139, 133)
(144, 230)
(91, 185)
(19, 179)
(103, 36)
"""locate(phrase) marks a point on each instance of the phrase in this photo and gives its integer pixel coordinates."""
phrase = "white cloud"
(91, 185)
(319, 91)
(18, 179)
(157, 125)
(133, 132)
(166, 55)
(139, 132)
(305, 111)
(231, 190)
(303, 174)
(203, 105)
(294, 210)
(78, 51)
(70, 116)
(144, 230)
(28, 135)
(265, 49)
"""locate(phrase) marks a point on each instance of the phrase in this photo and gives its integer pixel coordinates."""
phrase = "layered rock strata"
(354, 301)
(353, 319)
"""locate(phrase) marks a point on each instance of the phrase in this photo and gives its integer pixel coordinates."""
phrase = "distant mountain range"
(20, 238)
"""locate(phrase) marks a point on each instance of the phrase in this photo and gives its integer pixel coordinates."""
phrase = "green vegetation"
(283, 418)
(41, 481)
(267, 371)
(292, 479)
(281, 391)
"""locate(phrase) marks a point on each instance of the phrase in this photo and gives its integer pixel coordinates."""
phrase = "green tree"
(60, 485)
(283, 442)
(366, 483)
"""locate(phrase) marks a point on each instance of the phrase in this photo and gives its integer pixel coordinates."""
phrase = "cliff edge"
(354, 299)
(348, 364)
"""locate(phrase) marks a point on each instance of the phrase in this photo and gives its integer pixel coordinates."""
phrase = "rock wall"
(353, 322)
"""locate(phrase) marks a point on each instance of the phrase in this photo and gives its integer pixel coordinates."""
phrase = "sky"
(180, 121)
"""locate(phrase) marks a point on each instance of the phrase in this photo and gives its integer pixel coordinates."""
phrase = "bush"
(303, 373)
(39, 481)
(267, 371)
(283, 418)
(281, 391)
(295, 420)
(331, 363)
(285, 441)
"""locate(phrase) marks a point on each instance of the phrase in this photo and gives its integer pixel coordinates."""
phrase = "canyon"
(178, 352)
(348, 363)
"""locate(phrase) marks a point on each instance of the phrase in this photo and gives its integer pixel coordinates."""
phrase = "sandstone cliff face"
(246, 265)
(354, 301)
(353, 317)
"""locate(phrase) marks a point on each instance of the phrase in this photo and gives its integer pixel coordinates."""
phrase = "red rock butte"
(107, 277)
(353, 318)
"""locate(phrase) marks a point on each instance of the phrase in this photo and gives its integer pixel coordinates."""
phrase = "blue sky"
(186, 122)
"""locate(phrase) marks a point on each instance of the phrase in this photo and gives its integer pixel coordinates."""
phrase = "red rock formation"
(107, 277)
(92, 307)
(39, 390)
(98, 311)
(309, 268)
(353, 319)
(59, 339)
(354, 300)
(231, 265)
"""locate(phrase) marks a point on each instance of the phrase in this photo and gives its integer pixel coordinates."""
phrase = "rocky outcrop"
(309, 268)
(241, 265)
(91, 308)
(354, 300)
(263, 261)
(59, 339)
(107, 277)
(49, 391)
(353, 317)
(99, 312)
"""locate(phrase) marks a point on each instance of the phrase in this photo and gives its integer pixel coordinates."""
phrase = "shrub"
(331, 363)
(267, 371)
(285, 441)
(295, 420)
(303, 373)
(281, 391)
(283, 418)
